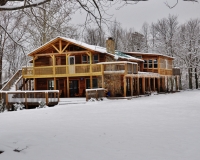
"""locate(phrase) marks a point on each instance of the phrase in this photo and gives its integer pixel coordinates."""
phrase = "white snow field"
(157, 127)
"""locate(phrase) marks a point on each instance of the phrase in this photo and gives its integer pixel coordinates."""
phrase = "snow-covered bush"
(2, 106)
(18, 106)
(42, 104)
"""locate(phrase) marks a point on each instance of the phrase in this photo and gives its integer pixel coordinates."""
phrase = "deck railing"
(61, 70)
(50, 97)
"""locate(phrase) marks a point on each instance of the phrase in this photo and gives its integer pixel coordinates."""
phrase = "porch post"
(131, 86)
(138, 86)
(143, 85)
(124, 86)
(91, 84)
(67, 86)
(149, 84)
(154, 84)
(158, 90)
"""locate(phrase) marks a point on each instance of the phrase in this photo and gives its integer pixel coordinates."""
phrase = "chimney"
(110, 45)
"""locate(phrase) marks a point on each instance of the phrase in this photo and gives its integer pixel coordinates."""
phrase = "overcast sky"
(133, 16)
(152, 10)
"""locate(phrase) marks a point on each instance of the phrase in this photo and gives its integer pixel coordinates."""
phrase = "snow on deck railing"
(48, 96)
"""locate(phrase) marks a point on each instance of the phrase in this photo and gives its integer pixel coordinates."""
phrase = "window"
(155, 63)
(145, 64)
(94, 82)
(50, 84)
(96, 58)
(150, 63)
(85, 59)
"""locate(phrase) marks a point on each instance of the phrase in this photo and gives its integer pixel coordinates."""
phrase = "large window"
(94, 83)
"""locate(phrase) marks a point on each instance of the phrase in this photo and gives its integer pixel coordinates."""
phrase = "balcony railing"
(80, 69)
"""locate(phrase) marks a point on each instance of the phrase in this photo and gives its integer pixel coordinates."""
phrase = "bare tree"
(95, 36)
(10, 22)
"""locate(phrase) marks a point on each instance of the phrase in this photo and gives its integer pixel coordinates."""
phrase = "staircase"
(15, 80)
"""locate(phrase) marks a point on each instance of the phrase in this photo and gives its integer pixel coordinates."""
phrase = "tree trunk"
(196, 78)
(190, 77)
(1, 55)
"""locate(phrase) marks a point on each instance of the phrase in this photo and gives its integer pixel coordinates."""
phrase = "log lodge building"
(72, 66)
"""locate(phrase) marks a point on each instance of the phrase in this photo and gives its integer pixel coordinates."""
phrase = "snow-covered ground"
(158, 127)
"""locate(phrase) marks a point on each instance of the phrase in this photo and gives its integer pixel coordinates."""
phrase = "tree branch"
(11, 8)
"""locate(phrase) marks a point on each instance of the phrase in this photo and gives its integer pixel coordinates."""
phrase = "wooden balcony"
(78, 70)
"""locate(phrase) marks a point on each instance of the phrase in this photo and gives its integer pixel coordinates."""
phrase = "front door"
(71, 62)
(73, 88)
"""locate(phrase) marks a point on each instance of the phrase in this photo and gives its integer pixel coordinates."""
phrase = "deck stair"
(14, 83)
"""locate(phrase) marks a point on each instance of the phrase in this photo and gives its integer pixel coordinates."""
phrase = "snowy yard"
(158, 127)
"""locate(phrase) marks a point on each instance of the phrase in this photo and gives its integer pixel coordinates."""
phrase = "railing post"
(26, 100)
(47, 98)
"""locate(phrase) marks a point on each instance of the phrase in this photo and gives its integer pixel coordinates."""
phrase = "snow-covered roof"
(117, 55)
(151, 54)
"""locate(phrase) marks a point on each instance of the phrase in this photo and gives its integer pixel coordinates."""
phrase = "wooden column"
(91, 83)
(67, 86)
(47, 98)
(143, 85)
(149, 84)
(54, 69)
(124, 86)
(138, 86)
(154, 84)
(131, 86)
(158, 90)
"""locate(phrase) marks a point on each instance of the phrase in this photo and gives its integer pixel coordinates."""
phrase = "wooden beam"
(65, 47)
(55, 48)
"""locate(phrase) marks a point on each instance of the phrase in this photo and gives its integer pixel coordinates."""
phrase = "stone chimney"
(110, 45)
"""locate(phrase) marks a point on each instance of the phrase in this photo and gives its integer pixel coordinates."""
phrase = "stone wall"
(113, 83)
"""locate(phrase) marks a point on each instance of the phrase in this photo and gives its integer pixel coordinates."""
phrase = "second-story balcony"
(77, 70)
